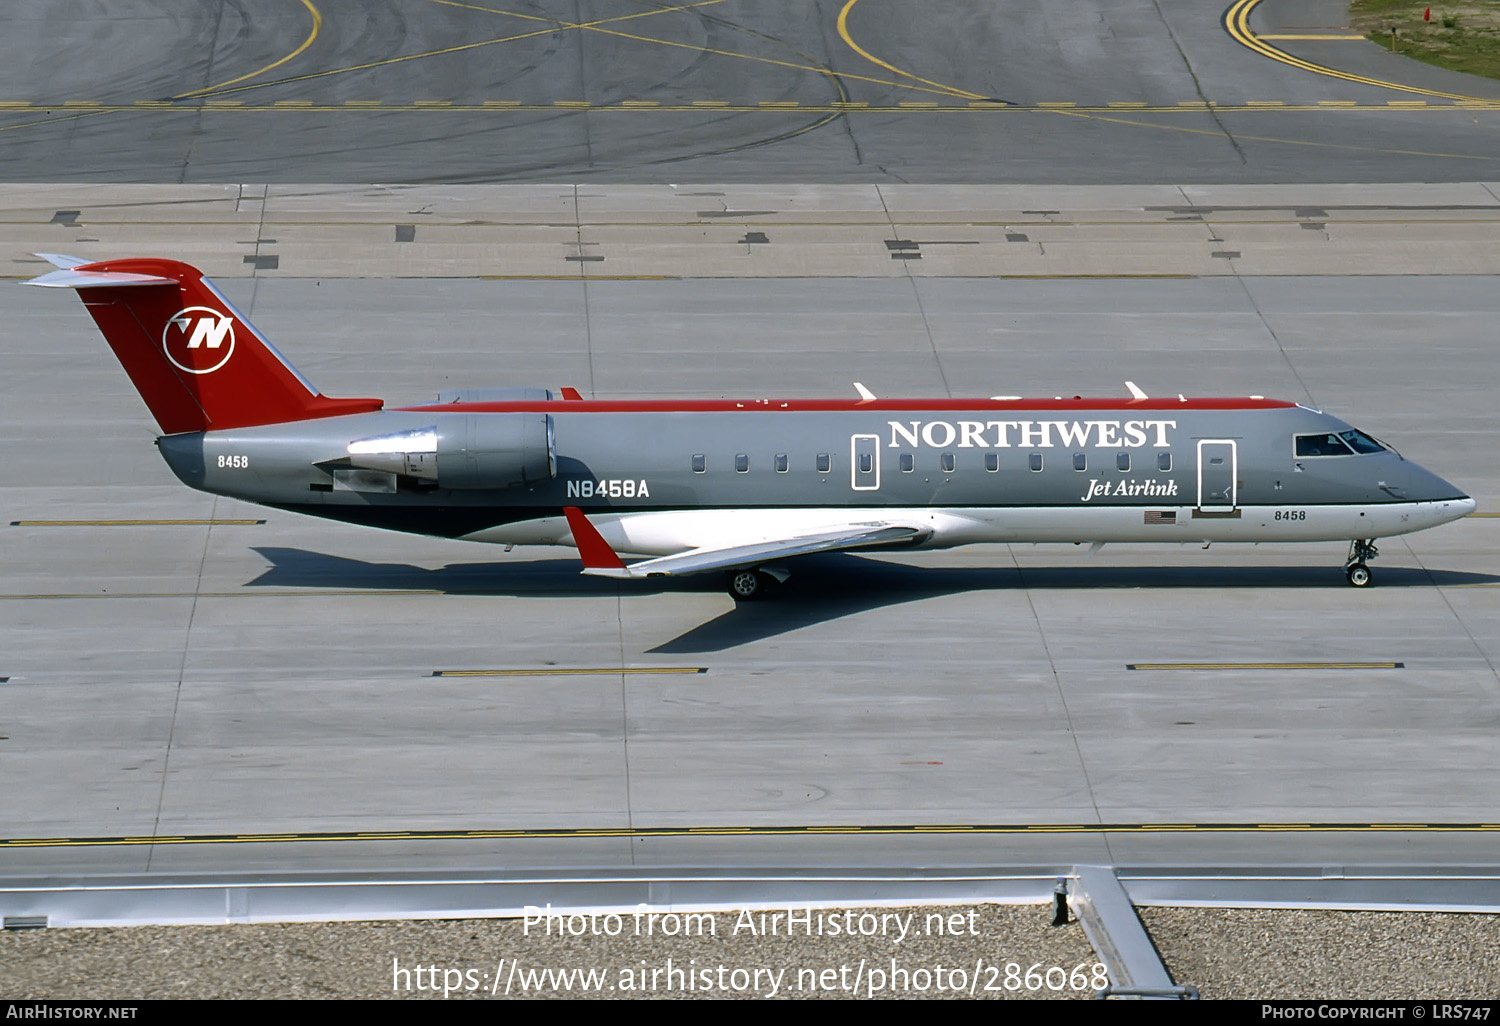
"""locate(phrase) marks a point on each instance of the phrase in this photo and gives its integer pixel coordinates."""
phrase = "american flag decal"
(1161, 516)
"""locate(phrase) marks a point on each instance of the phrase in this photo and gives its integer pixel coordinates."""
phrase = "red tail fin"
(195, 359)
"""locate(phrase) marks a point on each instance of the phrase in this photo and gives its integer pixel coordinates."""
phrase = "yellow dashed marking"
(1266, 666)
(559, 671)
(730, 830)
(134, 523)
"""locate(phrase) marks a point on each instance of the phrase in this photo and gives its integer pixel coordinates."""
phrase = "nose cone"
(1459, 508)
(1447, 501)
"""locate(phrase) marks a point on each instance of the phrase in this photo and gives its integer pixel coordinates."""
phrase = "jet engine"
(464, 451)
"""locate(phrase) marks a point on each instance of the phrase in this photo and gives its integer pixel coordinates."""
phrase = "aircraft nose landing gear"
(1354, 567)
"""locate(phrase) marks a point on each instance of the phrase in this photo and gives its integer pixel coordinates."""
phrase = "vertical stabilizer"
(195, 359)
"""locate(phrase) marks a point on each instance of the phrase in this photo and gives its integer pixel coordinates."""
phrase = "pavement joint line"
(916, 220)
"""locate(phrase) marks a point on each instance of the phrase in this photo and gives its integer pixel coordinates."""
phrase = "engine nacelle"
(468, 451)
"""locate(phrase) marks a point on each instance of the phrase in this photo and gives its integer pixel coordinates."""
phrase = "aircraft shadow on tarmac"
(822, 588)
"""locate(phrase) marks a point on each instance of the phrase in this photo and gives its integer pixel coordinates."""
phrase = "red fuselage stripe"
(985, 406)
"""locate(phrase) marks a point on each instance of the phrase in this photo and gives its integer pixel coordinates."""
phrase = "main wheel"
(745, 585)
(1358, 574)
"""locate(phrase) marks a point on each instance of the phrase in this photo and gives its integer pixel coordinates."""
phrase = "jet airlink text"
(1150, 488)
(1031, 434)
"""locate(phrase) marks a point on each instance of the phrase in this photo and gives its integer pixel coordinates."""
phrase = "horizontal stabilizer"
(67, 263)
(71, 279)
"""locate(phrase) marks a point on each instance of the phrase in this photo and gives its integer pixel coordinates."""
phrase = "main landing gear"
(1354, 567)
(750, 583)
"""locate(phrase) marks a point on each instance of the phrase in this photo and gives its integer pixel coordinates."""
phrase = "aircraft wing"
(600, 560)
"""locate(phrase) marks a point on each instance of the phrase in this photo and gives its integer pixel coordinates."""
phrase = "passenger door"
(1218, 472)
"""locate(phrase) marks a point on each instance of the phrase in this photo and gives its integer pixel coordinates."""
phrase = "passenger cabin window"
(700, 463)
(908, 463)
(1080, 461)
(866, 463)
(781, 463)
(824, 463)
(1122, 462)
(946, 462)
(1036, 461)
(992, 461)
(741, 462)
(1164, 462)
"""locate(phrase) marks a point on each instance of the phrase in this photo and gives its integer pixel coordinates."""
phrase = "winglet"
(569, 392)
(595, 552)
(1135, 391)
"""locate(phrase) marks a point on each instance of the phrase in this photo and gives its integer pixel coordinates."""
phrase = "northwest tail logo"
(198, 339)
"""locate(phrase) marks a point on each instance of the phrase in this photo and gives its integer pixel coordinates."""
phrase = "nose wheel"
(1355, 570)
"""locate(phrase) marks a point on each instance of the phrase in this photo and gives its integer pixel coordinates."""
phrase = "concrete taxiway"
(178, 667)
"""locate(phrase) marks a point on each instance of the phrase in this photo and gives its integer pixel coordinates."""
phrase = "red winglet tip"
(592, 548)
(569, 392)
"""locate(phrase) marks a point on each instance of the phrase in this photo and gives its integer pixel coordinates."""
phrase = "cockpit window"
(1344, 443)
(1322, 445)
(1361, 442)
